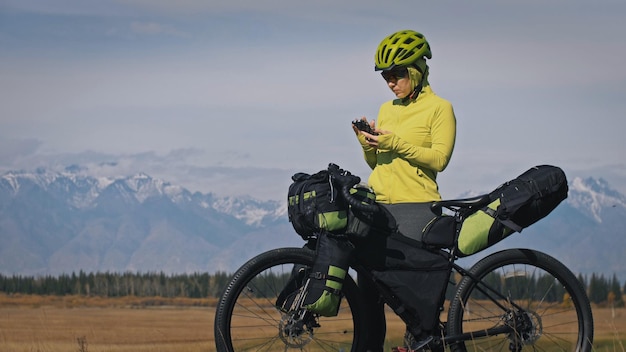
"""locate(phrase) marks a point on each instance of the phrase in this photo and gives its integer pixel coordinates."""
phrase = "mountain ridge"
(60, 222)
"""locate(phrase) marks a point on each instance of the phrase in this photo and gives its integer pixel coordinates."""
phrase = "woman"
(412, 140)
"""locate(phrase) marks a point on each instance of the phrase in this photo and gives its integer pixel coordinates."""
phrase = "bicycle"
(512, 300)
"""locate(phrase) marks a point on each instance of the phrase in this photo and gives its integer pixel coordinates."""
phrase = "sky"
(233, 97)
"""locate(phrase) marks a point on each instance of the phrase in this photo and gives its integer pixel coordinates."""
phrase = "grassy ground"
(69, 323)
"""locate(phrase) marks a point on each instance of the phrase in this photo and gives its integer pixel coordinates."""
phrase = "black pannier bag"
(319, 289)
(287, 299)
(314, 205)
(417, 277)
(514, 206)
(322, 292)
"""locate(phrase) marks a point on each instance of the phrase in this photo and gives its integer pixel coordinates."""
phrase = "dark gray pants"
(411, 217)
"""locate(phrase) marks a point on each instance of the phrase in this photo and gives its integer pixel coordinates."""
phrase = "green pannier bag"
(322, 292)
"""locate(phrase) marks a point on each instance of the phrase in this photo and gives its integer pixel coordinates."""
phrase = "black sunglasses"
(395, 73)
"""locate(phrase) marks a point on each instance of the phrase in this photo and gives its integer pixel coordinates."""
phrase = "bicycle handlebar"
(355, 203)
(346, 181)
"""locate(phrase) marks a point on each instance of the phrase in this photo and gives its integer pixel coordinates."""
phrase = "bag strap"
(507, 222)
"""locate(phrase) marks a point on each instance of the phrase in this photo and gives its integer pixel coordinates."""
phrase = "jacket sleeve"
(437, 157)
(369, 152)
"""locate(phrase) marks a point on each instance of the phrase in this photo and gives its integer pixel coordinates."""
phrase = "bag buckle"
(317, 275)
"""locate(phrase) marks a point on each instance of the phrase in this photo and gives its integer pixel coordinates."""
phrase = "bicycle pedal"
(417, 345)
(399, 349)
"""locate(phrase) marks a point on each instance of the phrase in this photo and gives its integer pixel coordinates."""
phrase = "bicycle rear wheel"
(533, 296)
(247, 318)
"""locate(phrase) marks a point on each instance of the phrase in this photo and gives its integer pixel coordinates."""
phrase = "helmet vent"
(402, 48)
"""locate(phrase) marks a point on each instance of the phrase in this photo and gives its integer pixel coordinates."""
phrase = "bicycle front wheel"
(520, 299)
(247, 318)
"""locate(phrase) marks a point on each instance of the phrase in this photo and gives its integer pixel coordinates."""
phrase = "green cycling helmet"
(402, 48)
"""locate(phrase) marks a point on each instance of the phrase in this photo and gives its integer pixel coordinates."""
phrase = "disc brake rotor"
(294, 332)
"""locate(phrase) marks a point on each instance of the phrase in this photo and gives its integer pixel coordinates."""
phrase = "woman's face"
(398, 81)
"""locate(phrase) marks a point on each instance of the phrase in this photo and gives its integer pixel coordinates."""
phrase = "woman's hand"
(360, 124)
(363, 125)
(370, 138)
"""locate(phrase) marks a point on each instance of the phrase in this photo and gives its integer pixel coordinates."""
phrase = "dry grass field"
(68, 323)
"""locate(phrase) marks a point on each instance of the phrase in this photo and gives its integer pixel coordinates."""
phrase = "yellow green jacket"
(407, 160)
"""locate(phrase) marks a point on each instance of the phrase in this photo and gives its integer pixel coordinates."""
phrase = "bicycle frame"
(526, 295)
(412, 322)
(502, 294)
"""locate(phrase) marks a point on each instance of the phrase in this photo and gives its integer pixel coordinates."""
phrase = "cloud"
(188, 8)
(178, 167)
(209, 90)
(467, 173)
(154, 28)
(14, 149)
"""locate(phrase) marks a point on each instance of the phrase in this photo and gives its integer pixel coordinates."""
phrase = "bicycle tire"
(555, 313)
(248, 320)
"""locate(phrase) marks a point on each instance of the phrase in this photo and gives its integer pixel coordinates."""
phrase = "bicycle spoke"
(249, 320)
(540, 300)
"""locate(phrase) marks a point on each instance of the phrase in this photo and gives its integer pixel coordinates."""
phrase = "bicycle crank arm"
(477, 334)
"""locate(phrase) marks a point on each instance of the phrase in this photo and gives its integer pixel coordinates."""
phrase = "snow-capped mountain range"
(54, 222)
(63, 222)
(595, 197)
(83, 192)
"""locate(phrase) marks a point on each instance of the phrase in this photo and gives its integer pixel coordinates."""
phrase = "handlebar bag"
(514, 206)
(315, 205)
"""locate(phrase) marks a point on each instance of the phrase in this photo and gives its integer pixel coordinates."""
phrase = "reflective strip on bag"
(474, 235)
(333, 220)
(338, 273)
